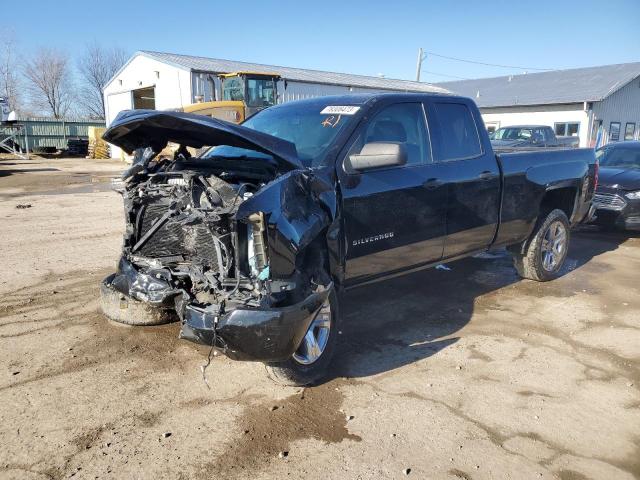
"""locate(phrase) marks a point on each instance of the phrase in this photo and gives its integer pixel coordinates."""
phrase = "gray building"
(573, 102)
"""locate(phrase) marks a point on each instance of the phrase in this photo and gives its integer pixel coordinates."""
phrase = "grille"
(609, 201)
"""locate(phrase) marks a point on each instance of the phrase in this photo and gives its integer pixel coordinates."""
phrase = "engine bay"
(180, 227)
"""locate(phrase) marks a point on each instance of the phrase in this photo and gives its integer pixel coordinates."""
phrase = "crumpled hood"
(624, 178)
(133, 129)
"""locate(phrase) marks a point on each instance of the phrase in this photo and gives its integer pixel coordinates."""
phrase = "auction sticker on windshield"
(340, 110)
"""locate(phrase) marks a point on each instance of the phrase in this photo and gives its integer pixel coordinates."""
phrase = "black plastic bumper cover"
(260, 334)
(267, 335)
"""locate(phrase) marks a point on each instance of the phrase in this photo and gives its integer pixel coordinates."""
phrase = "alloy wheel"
(554, 246)
(316, 338)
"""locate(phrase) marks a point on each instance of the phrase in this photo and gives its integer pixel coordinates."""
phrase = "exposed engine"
(180, 227)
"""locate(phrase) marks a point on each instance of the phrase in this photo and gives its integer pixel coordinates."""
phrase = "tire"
(294, 372)
(123, 309)
(545, 241)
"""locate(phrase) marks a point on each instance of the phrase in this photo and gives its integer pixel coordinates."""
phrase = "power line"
(445, 75)
(487, 64)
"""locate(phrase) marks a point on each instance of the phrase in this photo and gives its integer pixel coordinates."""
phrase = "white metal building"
(164, 80)
(573, 102)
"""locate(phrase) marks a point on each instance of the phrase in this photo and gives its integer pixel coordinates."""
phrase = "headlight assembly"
(633, 195)
(256, 246)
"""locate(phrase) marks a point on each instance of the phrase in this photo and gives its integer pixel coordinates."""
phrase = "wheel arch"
(562, 197)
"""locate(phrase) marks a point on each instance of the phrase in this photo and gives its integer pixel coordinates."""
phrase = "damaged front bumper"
(243, 333)
(267, 335)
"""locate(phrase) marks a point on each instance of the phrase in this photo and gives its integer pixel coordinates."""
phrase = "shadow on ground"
(13, 171)
(397, 322)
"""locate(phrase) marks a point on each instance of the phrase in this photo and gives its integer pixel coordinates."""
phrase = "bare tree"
(9, 78)
(97, 66)
(50, 80)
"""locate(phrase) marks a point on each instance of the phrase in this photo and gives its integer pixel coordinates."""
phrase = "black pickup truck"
(528, 137)
(252, 243)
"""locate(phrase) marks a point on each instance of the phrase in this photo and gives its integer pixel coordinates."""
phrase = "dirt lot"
(467, 373)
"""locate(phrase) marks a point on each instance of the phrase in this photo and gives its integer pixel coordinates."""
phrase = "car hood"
(623, 178)
(133, 129)
(508, 143)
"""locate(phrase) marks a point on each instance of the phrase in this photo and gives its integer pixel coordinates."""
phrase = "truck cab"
(242, 95)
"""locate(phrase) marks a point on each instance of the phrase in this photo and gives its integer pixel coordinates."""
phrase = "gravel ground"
(467, 373)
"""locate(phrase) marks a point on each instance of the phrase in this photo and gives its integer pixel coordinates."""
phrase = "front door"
(394, 218)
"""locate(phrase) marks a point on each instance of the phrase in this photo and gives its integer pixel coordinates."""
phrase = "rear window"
(458, 133)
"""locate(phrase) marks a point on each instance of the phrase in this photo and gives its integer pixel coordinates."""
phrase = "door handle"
(432, 183)
(486, 175)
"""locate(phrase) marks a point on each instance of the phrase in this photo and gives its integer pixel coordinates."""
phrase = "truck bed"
(528, 175)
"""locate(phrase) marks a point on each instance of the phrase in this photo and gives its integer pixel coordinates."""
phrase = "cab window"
(260, 92)
(458, 135)
(232, 89)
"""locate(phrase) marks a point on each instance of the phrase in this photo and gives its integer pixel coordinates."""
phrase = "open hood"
(133, 129)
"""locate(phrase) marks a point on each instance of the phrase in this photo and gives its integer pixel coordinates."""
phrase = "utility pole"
(419, 64)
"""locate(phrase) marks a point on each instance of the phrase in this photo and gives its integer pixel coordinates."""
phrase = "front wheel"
(311, 360)
(123, 309)
(546, 250)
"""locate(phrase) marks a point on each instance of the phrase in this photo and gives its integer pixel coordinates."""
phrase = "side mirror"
(378, 154)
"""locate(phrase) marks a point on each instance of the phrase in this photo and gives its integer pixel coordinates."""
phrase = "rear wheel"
(311, 360)
(546, 250)
(123, 309)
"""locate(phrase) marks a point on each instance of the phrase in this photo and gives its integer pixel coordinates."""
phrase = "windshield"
(619, 157)
(227, 151)
(511, 133)
(301, 123)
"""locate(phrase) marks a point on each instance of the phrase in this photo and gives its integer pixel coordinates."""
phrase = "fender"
(298, 207)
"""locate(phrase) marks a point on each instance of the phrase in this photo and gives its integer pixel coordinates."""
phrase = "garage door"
(116, 102)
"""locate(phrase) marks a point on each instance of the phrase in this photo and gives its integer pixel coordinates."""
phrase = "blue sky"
(361, 37)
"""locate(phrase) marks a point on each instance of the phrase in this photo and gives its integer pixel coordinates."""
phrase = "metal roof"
(577, 85)
(215, 65)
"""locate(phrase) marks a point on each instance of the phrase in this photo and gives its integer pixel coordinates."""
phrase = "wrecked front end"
(228, 244)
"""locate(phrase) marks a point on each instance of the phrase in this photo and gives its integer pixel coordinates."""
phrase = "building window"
(629, 131)
(614, 131)
(567, 129)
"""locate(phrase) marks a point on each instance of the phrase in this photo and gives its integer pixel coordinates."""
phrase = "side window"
(629, 131)
(401, 123)
(458, 134)
(539, 135)
(614, 131)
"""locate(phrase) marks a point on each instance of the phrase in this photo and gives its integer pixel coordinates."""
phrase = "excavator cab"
(243, 94)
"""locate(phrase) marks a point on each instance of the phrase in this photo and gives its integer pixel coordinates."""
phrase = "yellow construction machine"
(243, 94)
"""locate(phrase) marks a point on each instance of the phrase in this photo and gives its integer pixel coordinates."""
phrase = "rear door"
(394, 218)
(470, 169)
